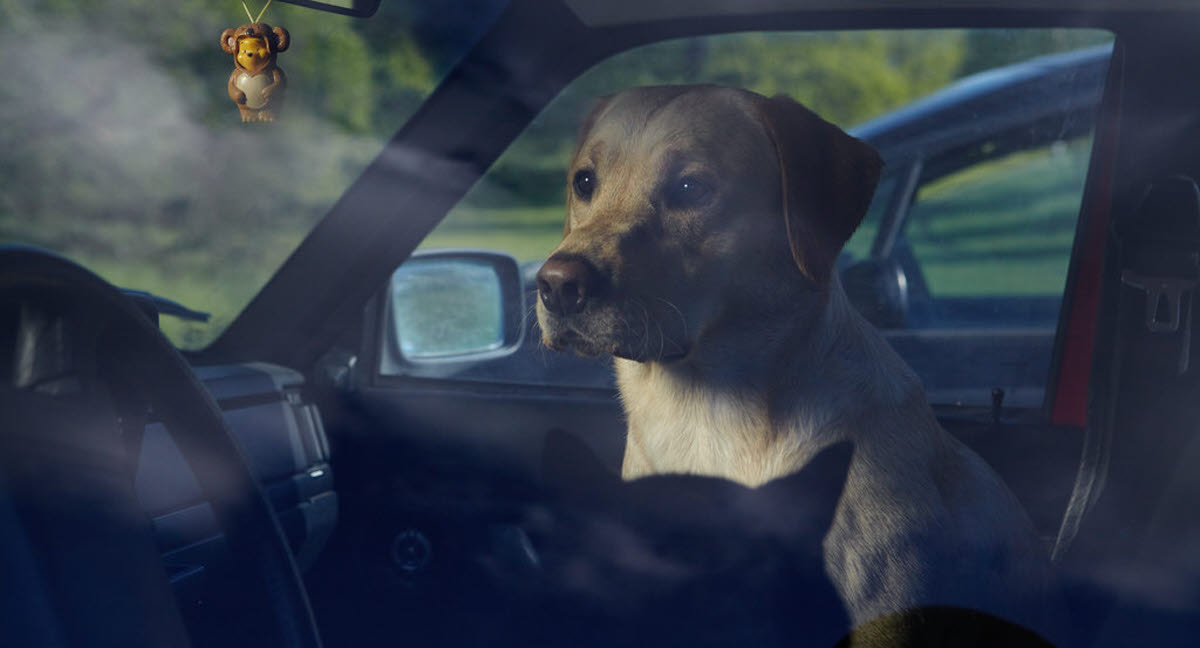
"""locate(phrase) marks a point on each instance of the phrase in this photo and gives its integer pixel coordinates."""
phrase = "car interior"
(310, 477)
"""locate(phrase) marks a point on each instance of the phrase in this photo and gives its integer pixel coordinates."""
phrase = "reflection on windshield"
(122, 150)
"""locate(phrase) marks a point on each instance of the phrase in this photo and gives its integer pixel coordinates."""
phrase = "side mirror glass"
(453, 304)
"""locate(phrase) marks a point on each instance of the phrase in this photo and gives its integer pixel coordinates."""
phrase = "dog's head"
(691, 205)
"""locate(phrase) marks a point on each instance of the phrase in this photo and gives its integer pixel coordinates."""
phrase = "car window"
(995, 129)
(847, 77)
(123, 151)
(860, 243)
(1002, 226)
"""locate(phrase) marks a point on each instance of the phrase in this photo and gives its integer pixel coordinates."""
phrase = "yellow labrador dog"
(703, 225)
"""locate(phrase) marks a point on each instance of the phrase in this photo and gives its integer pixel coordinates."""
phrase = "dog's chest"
(679, 427)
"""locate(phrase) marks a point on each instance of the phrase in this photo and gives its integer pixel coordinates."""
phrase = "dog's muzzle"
(581, 310)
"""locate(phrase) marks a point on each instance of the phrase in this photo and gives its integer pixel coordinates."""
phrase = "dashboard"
(286, 447)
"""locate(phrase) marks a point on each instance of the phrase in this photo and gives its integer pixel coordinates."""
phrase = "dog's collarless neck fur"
(765, 415)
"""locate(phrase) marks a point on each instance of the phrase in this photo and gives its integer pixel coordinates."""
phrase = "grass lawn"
(527, 233)
(1002, 227)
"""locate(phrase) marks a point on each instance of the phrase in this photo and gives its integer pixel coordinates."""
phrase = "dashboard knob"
(411, 551)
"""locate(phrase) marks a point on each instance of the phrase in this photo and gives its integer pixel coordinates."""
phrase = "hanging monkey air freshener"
(257, 84)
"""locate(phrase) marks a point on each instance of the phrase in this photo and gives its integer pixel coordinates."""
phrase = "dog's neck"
(752, 412)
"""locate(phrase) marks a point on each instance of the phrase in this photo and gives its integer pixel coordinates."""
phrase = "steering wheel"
(77, 551)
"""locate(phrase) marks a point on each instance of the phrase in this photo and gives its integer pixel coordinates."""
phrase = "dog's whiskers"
(682, 319)
(645, 325)
(531, 314)
(662, 339)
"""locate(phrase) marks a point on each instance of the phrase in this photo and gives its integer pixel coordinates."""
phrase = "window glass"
(444, 308)
(859, 245)
(1003, 226)
(847, 77)
(996, 122)
(121, 149)
(984, 249)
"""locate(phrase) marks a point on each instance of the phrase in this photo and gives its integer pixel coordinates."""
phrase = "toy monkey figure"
(257, 84)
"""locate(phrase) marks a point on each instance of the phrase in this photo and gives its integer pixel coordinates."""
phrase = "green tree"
(333, 73)
(844, 76)
(990, 48)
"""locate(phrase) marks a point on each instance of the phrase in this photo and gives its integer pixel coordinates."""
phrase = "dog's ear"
(828, 179)
(584, 129)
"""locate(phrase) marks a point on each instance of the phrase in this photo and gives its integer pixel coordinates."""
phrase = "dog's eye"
(584, 184)
(688, 192)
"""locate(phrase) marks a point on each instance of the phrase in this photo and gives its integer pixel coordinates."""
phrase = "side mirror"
(454, 305)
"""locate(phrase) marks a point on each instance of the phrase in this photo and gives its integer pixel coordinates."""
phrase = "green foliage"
(407, 69)
(844, 76)
(338, 74)
(406, 78)
(989, 48)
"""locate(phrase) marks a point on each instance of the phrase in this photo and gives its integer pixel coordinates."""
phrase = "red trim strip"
(1074, 375)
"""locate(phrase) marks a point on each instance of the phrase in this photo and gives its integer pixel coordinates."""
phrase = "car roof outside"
(990, 102)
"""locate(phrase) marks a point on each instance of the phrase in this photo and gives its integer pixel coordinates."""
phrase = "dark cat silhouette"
(686, 559)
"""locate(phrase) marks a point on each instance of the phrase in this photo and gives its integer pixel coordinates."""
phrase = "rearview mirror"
(454, 305)
(356, 8)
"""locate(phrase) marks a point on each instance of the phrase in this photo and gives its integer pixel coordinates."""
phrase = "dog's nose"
(564, 285)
